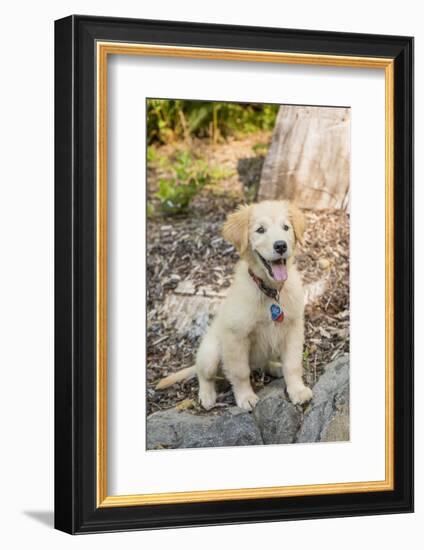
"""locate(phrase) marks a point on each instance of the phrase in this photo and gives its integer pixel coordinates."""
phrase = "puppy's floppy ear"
(298, 221)
(236, 228)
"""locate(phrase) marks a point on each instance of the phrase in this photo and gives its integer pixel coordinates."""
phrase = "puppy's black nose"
(280, 247)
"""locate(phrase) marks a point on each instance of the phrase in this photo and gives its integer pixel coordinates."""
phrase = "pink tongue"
(279, 272)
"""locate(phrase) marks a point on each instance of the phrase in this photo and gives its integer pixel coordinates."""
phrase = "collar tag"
(277, 314)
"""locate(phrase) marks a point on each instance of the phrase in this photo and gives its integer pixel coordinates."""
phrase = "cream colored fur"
(243, 337)
(179, 376)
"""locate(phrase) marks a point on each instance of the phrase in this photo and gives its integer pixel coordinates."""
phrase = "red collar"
(272, 293)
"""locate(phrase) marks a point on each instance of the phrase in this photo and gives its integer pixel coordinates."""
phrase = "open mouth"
(277, 269)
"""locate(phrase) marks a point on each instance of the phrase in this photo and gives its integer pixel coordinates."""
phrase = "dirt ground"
(190, 247)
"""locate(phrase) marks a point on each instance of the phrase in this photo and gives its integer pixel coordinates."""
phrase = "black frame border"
(75, 274)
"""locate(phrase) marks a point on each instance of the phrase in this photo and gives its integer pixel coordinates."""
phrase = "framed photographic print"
(234, 274)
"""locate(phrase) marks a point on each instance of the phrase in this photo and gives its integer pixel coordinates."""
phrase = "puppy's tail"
(180, 376)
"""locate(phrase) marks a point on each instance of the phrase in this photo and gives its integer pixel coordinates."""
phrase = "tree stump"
(309, 157)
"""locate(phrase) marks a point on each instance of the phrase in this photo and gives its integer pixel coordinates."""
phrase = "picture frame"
(83, 45)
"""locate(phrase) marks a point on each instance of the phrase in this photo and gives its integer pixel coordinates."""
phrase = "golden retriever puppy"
(260, 323)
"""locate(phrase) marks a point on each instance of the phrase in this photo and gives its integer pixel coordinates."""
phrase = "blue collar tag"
(277, 313)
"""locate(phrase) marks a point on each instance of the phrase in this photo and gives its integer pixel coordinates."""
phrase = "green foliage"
(152, 155)
(190, 176)
(260, 149)
(217, 173)
(169, 120)
(150, 210)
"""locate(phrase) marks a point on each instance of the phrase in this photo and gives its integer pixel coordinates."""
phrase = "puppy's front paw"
(299, 394)
(246, 401)
(207, 398)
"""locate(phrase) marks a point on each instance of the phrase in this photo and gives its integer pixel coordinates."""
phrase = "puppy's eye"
(260, 229)
(286, 227)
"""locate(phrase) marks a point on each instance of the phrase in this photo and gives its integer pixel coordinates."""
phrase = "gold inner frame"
(104, 49)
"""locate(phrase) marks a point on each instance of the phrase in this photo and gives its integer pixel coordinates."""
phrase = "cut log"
(191, 311)
(309, 157)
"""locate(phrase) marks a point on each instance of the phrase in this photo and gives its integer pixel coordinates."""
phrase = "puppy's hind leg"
(274, 369)
(207, 363)
(260, 360)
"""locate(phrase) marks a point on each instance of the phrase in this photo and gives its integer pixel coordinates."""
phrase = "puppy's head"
(265, 235)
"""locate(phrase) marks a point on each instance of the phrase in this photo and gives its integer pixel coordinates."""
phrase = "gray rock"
(278, 419)
(174, 429)
(337, 429)
(275, 419)
(327, 416)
